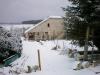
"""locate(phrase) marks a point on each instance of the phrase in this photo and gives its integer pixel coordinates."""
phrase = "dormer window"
(48, 25)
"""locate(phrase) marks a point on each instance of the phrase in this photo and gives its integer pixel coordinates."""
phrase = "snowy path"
(52, 63)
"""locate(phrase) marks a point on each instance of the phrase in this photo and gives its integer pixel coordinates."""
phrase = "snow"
(55, 17)
(52, 63)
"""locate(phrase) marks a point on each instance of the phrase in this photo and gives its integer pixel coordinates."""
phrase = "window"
(46, 33)
(48, 25)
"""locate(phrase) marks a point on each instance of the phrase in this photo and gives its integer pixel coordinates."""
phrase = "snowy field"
(52, 63)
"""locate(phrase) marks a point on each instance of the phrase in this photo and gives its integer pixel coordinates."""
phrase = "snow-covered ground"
(52, 63)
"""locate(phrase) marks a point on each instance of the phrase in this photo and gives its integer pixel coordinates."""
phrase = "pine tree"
(82, 20)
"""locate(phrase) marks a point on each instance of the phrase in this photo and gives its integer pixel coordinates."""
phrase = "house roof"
(41, 23)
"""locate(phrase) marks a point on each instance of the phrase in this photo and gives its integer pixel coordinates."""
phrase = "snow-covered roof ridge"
(42, 22)
(55, 16)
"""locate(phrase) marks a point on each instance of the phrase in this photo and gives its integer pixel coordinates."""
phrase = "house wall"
(52, 28)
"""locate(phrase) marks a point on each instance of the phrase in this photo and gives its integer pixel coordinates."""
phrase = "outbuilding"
(48, 29)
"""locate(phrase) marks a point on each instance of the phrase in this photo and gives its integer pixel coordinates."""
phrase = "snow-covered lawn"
(52, 63)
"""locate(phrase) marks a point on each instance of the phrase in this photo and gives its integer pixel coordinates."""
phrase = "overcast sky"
(21, 10)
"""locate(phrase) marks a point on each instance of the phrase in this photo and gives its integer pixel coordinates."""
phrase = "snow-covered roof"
(54, 17)
(41, 22)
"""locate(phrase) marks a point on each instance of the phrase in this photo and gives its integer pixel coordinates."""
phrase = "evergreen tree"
(82, 20)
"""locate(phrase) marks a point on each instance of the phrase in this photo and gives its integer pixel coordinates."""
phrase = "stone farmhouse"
(48, 29)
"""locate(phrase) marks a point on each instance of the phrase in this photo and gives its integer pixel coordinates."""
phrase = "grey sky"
(20, 10)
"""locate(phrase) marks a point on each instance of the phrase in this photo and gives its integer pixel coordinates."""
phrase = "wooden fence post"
(39, 62)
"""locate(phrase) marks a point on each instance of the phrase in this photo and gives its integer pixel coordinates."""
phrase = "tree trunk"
(86, 44)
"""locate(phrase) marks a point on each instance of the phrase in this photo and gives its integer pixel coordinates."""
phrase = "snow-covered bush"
(80, 65)
(8, 42)
(85, 64)
(73, 53)
(77, 65)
